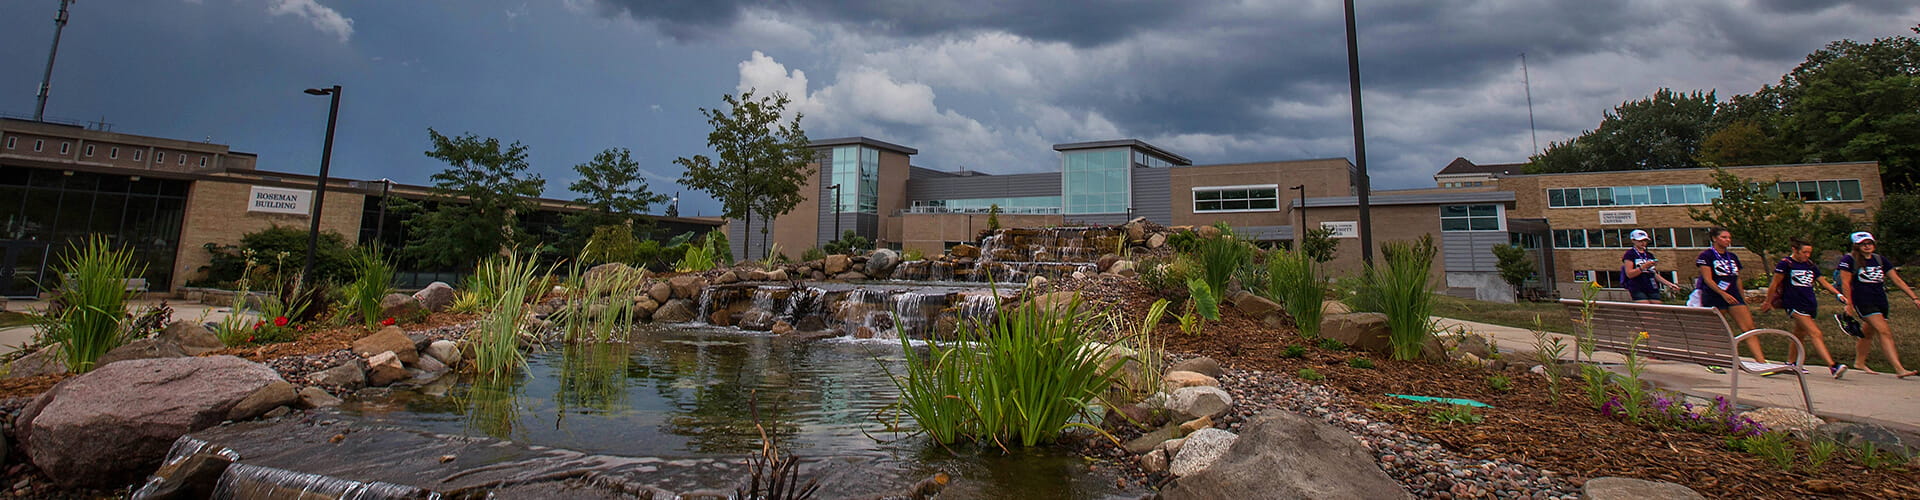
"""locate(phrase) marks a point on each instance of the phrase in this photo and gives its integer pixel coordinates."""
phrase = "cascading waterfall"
(250, 481)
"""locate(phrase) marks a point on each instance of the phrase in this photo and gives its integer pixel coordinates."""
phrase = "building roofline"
(1409, 199)
(1277, 162)
(1737, 167)
(1073, 146)
(864, 141)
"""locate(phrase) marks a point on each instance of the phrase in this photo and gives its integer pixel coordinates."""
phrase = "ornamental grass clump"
(93, 314)
(1020, 376)
(595, 306)
(1403, 290)
(496, 337)
(373, 280)
(1292, 282)
(1219, 257)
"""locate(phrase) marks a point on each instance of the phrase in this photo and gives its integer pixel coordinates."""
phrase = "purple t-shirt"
(1643, 283)
(1869, 278)
(1796, 284)
(1726, 269)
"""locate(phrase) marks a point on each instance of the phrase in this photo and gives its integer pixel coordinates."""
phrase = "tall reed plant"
(1292, 282)
(373, 280)
(1403, 290)
(496, 337)
(595, 305)
(93, 317)
(1151, 349)
(1220, 256)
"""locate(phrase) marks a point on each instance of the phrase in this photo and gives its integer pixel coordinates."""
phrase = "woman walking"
(1863, 279)
(1637, 266)
(1719, 286)
(1794, 278)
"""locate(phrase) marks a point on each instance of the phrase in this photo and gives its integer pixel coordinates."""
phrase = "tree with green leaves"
(1318, 244)
(1896, 225)
(761, 159)
(613, 192)
(1515, 267)
(1661, 131)
(1853, 101)
(476, 200)
(1761, 218)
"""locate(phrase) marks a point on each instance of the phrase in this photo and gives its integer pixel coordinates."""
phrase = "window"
(89, 150)
(857, 171)
(113, 152)
(10, 141)
(203, 161)
(1470, 218)
(183, 159)
(1019, 205)
(65, 147)
(159, 156)
(136, 155)
(1674, 194)
(1819, 191)
(1096, 182)
(1236, 199)
(1527, 241)
(38, 144)
(1663, 237)
(1614, 278)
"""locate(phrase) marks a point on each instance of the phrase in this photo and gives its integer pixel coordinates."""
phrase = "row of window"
(1663, 237)
(1236, 199)
(1833, 190)
(1470, 217)
(113, 152)
(1462, 184)
(1616, 278)
(1146, 160)
(857, 171)
(1694, 194)
(1096, 182)
(1017, 205)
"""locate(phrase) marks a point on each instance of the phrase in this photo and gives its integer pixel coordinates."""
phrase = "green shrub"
(1332, 345)
(287, 245)
(719, 249)
(1403, 290)
(813, 254)
(92, 318)
(1205, 301)
(1294, 351)
(1165, 274)
(1361, 363)
(1293, 283)
(373, 280)
(699, 258)
(1183, 241)
(1454, 414)
(912, 254)
(613, 243)
(1219, 256)
(850, 243)
(1311, 375)
(1499, 382)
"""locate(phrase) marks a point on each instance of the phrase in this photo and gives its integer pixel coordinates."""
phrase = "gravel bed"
(1427, 469)
(296, 368)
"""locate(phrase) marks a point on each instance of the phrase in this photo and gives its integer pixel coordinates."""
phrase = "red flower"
(249, 339)
(388, 322)
(280, 321)
(258, 324)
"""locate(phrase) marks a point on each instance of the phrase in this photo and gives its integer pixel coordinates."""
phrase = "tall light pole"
(380, 227)
(46, 79)
(1359, 140)
(1303, 213)
(836, 211)
(320, 188)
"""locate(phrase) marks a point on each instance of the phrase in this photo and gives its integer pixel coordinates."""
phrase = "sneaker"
(1839, 370)
(1848, 324)
(1716, 370)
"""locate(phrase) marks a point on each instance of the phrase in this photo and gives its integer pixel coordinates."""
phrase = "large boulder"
(1626, 488)
(660, 292)
(1202, 365)
(349, 375)
(880, 262)
(777, 275)
(265, 399)
(759, 320)
(1254, 306)
(1137, 229)
(1123, 268)
(46, 361)
(1363, 331)
(141, 349)
(446, 351)
(399, 305)
(1200, 401)
(1054, 301)
(1319, 460)
(686, 287)
(1201, 450)
(110, 426)
(1157, 240)
(389, 339)
(837, 263)
(436, 297)
(964, 251)
(385, 368)
(1176, 380)
(675, 311)
(192, 337)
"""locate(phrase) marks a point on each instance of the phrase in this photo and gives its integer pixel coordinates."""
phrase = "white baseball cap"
(1639, 235)
(1861, 236)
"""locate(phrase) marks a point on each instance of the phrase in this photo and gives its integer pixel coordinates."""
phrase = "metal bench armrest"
(1800, 357)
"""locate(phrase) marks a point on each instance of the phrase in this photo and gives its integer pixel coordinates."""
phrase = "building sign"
(1343, 229)
(1582, 276)
(280, 200)
(1618, 217)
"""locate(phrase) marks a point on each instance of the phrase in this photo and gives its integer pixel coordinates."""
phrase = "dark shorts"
(1871, 308)
(1803, 311)
(1710, 298)
(1641, 295)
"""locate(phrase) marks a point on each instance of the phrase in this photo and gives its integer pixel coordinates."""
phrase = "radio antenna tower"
(1526, 80)
(46, 80)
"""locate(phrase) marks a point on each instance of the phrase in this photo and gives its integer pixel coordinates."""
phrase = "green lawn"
(1905, 322)
(10, 319)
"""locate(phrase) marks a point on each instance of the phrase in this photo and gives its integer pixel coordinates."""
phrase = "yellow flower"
(1643, 335)
(1593, 284)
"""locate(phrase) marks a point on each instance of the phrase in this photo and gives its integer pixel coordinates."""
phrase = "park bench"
(136, 285)
(1690, 334)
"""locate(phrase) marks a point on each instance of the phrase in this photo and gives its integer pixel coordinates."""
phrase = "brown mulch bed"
(29, 386)
(1525, 426)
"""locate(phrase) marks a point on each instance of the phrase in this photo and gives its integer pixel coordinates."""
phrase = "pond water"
(679, 392)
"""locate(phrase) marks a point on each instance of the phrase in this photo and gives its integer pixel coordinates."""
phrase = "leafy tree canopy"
(1761, 218)
(1662, 131)
(761, 159)
(477, 197)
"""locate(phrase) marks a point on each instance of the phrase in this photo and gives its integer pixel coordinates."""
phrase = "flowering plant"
(388, 322)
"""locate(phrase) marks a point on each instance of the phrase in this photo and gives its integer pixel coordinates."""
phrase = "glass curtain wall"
(1096, 182)
(857, 171)
(53, 209)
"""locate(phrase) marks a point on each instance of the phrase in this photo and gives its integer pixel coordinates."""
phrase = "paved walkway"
(1860, 397)
(11, 338)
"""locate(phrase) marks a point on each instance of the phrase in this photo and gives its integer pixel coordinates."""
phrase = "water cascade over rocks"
(868, 311)
(1017, 254)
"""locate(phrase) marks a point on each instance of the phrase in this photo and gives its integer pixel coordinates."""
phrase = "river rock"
(1174, 381)
(1474, 344)
(1154, 462)
(686, 287)
(400, 306)
(675, 311)
(1208, 232)
(781, 328)
(195, 476)
(46, 361)
(1055, 301)
(1254, 306)
(315, 397)
(1361, 331)
(1105, 262)
(192, 337)
(837, 263)
(660, 292)
(108, 427)
(850, 276)
(1854, 434)
(1123, 268)
(1149, 441)
(385, 368)
(1793, 420)
(1320, 461)
(1202, 365)
(349, 375)
(436, 297)
(1156, 240)
(262, 400)
(1203, 401)
(430, 365)
(446, 351)
(755, 275)
(964, 251)
(757, 320)
(777, 275)
(1201, 450)
(141, 349)
(389, 339)
(728, 278)
(811, 323)
(594, 277)
(1137, 229)
(1626, 488)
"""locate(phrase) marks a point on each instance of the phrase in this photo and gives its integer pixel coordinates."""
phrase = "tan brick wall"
(795, 232)
(1390, 223)
(893, 196)
(929, 233)
(1530, 193)
(1323, 178)
(217, 213)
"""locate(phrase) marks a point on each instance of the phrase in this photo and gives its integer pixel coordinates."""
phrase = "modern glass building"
(45, 212)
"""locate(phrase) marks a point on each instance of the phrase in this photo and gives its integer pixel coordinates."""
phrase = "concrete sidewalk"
(11, 338)
(1879, 399)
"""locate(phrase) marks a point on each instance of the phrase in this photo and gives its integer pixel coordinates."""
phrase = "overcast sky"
(986, 85)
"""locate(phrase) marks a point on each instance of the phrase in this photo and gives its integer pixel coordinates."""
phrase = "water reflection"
(593, 377)
(492, 407)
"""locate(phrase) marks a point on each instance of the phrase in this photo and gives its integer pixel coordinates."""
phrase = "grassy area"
(1905, 322)
(11, 319)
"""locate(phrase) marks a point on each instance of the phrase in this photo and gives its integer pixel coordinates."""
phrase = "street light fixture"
(320, 188)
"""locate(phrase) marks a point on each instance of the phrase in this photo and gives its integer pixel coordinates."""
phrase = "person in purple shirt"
(1637, 267)
(1719, 286)
(1863, 278)
(1792, 289)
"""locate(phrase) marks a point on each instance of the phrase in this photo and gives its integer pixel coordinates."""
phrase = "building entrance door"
(22, 263)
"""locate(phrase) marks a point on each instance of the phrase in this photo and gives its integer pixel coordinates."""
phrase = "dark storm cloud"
(1078, 23)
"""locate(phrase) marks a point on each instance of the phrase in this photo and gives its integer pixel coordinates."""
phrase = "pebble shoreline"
(1425, 468)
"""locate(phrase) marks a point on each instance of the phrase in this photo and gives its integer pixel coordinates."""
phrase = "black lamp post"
(1363, 184)
(320, 188)
(836, 211)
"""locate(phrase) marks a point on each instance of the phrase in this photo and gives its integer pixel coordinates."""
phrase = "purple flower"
(1721, 403)
(1612, 406)
(1661, 403)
